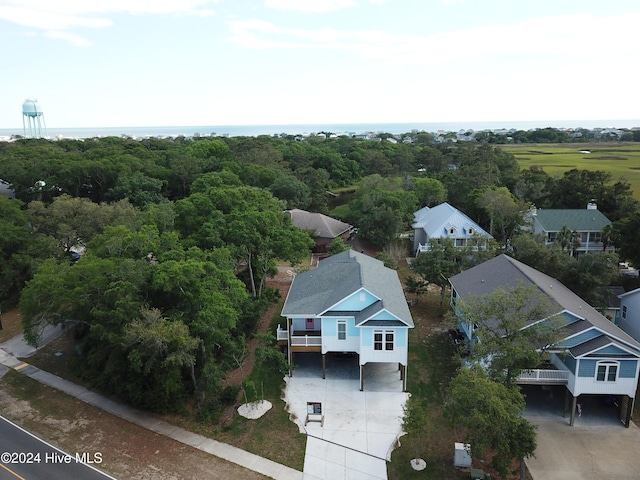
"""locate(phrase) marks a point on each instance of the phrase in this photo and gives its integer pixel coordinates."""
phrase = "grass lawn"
(621, 160)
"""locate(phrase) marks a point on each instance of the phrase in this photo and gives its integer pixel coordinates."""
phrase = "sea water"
(340, 129)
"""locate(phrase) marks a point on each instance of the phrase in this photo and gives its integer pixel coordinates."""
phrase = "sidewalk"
(222, 450)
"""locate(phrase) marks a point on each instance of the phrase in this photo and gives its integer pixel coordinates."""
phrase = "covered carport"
(555, 401)
(598, 446)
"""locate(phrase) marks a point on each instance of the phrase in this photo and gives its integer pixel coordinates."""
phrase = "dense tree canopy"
(182, 234)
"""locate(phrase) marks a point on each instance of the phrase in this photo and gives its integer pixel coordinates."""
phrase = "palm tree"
(607, 235)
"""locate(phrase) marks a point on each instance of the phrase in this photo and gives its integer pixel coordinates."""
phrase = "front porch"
(543, 376)
(300, 340)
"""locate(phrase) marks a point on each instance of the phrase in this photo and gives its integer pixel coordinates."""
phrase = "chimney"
(592, 205)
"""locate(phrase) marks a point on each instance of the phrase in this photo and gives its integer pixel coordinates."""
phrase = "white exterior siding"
(368, 353)
(589, 385)
(331, 341)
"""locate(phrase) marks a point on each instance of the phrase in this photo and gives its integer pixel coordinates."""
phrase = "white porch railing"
(543, 376)
(305, 341)
(281, 333)
(423, 247)
(299, 340)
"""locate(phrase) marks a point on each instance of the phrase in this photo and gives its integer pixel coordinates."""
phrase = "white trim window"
(624, 311)
(342, 329)
(606, 371)
(384, 340)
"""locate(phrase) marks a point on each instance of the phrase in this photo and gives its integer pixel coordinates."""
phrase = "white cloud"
(55, 17)
(571, 35)
(316, 6)
(72, 38)
(82, 7)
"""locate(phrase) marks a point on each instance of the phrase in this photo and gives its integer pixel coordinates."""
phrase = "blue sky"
(93, 63)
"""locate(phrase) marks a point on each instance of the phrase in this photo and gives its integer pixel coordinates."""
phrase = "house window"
(383, 340)
(552, 236)
(606, 372)
(596, 237)
(388, 341)
(452, 231)
(377, 340)
(459, 242)
(342, 330)
(624, 311)
(470, 231)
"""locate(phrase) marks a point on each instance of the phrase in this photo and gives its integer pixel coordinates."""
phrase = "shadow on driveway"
(597, 446)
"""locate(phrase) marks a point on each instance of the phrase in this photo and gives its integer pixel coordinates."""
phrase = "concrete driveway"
(598, 446)
(360, 429)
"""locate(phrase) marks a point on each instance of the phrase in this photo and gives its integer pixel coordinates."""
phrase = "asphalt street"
(24, 456)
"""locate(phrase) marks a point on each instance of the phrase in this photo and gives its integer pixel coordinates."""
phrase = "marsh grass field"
(621, 160)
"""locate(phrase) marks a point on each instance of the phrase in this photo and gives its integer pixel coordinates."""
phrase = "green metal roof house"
(588, 223)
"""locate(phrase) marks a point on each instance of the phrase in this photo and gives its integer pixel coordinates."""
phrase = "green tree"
(505, 211)
(414, 421)
(438, 264)
(625, 238)
(382, 208)
(21, 249)
(294, 192)
(511, 336)
(490, 414)
(160, 350)
(75, 221)
(337, 245)
(429, 191)
(416, 286)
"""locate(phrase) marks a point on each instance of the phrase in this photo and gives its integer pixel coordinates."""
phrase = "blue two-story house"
(594, 357)
(349, 303)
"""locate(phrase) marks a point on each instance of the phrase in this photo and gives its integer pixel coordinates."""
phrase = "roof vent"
(592, 205)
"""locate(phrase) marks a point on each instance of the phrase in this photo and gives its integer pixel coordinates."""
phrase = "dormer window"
(452, 231)
(470, 231)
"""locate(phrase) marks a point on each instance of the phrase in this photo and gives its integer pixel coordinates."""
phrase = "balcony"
(543, 377)
(300, 340)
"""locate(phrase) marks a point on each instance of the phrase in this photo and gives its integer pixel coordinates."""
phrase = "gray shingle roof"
(596, 344)
(321, 225)
(506, 271)
(581, 220)
(315, 291)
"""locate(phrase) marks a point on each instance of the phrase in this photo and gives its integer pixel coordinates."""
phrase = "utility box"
(462, 455)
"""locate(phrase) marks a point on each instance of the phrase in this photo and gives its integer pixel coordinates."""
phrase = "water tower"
(32, 113)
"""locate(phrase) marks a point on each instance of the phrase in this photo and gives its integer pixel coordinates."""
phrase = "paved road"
(24, 456)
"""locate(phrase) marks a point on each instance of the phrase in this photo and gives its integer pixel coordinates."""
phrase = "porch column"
(573, 411)
(403, 377)
(290, 363)
(567, 402)
(289, 352)
(629, 412)
(361, 378)
(324, 365)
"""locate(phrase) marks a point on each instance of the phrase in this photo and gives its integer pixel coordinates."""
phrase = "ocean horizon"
(303, 129)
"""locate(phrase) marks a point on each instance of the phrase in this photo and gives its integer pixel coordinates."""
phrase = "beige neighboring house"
(323, 228)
